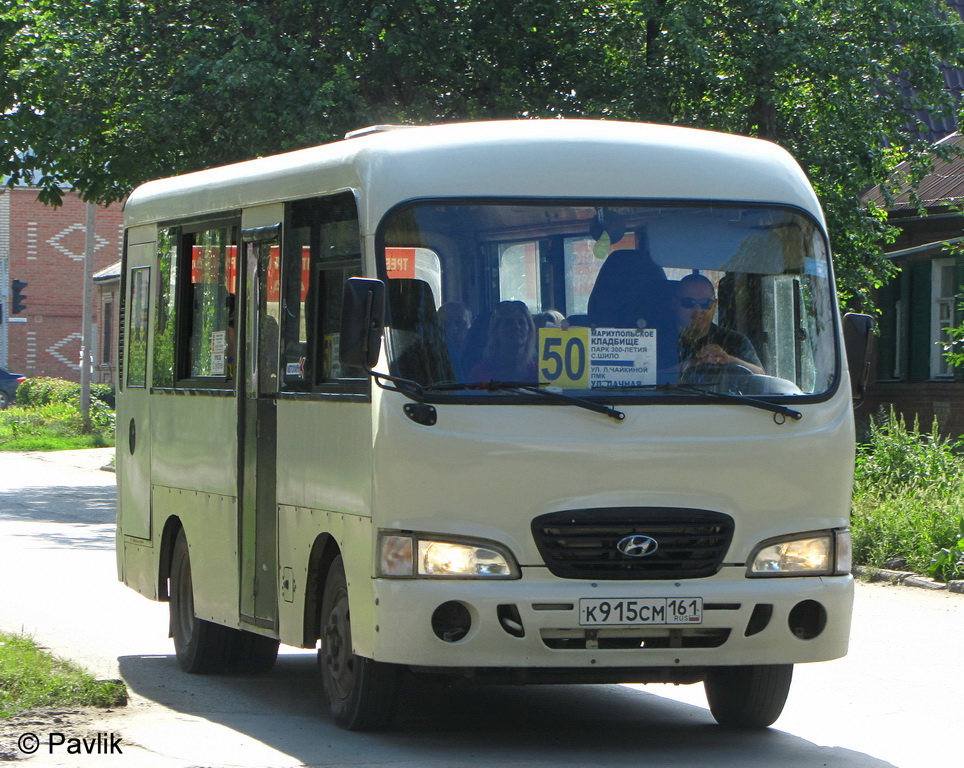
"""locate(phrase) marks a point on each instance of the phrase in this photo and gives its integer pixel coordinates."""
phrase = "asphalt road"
(894, 701)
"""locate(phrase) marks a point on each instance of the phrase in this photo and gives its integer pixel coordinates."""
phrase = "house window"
(943, 300)
(107, 347)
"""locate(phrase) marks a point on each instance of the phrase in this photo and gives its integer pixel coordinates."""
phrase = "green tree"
(104, 95)
(826, 79)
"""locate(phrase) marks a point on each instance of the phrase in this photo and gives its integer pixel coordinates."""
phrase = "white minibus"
(529, 401)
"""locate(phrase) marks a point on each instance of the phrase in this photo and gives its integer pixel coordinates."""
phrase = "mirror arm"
(411, 389)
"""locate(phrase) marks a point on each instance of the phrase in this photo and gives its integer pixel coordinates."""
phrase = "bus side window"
(211, 289)
(322, 250)
(165, 315)
(137, 335)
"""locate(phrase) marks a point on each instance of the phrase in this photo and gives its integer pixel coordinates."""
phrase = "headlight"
(813, 554)
(426, 556)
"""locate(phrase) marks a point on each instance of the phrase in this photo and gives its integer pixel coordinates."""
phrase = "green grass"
(53, 427)
(31, 678)
(908, 500)
(52, 443)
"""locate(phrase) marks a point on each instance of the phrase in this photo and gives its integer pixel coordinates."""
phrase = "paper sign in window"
(400, 262)
(586, 358)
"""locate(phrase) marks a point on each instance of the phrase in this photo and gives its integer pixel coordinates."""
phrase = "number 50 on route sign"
(564, 357)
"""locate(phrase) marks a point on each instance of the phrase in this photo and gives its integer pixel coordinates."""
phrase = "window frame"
(133, 283)
(940, 370)
(549, 244)
(182, 233)
(309, 213)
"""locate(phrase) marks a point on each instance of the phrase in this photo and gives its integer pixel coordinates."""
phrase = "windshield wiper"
(416, 392)
(535, 388)
(774, 408)
(559, 397)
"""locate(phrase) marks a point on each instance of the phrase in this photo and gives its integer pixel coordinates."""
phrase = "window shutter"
(887, 298)
(921, 336)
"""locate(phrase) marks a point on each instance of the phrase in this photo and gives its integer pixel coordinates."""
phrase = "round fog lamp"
(451, 621)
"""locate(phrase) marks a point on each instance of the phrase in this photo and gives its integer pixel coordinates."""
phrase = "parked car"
(8, 387)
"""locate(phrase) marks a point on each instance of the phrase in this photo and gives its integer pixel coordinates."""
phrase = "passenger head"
(695, 303)
(456, 319)
(512, 334)
(549, 319)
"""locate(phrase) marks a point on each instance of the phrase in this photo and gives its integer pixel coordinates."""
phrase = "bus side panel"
(298, 529)
(211, 526)
(140, 566)
(195, 439)
(195, 475)
(324, 487)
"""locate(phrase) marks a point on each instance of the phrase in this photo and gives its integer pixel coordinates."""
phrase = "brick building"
(44, 247)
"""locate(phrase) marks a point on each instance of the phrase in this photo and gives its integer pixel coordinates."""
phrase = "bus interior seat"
(476, 340)
(580, 321)
(630, 291)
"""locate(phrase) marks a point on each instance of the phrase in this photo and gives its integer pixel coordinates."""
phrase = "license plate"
(621, 612)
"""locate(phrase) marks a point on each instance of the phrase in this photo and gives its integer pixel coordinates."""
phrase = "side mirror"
(858, 333)
(362, 322)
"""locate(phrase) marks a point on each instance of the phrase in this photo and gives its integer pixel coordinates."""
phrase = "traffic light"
(18, 297)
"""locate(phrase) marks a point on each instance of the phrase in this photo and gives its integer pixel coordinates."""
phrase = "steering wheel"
(725, 377)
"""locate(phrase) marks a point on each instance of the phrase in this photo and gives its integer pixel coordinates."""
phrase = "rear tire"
(202, 647)
(361, 692)
(748, 697)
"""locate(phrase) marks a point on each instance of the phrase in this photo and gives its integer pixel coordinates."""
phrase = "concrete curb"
(906, 579)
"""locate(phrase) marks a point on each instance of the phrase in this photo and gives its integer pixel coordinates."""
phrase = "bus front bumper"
(542, 622)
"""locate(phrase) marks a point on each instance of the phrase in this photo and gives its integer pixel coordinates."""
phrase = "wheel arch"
(172, 527)
(324, 550)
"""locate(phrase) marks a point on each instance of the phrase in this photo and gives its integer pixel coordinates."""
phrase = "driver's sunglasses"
(688, 302)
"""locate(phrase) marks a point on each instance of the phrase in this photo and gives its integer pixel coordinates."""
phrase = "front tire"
(202, 647)
(750, 697)
(361, 692)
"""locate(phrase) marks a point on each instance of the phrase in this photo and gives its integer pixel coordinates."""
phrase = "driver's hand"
(713, 354)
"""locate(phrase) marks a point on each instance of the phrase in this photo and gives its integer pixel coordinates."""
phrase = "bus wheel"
(201, 646)
(748, 697)
(361, 692)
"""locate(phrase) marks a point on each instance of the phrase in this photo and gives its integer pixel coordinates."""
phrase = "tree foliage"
(104, 94)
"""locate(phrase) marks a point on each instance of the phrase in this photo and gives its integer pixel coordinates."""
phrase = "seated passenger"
(700, 340)
(549, 319)
(510, 353)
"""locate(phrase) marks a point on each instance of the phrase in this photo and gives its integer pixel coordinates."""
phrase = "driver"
(700, 340)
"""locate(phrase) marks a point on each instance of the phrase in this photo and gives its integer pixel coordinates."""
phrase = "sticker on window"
(589, 358)
(400, 262)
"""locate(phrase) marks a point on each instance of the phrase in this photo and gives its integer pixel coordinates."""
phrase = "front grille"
(581, 544)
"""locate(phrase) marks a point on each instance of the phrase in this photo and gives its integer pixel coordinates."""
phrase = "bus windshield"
(614, 299)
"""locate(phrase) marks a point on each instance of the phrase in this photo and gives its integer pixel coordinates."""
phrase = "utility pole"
(86, 341)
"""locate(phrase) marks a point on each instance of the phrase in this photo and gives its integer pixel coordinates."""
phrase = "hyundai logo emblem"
(637, 546)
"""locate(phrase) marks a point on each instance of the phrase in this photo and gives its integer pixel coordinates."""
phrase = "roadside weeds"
(907, 579)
